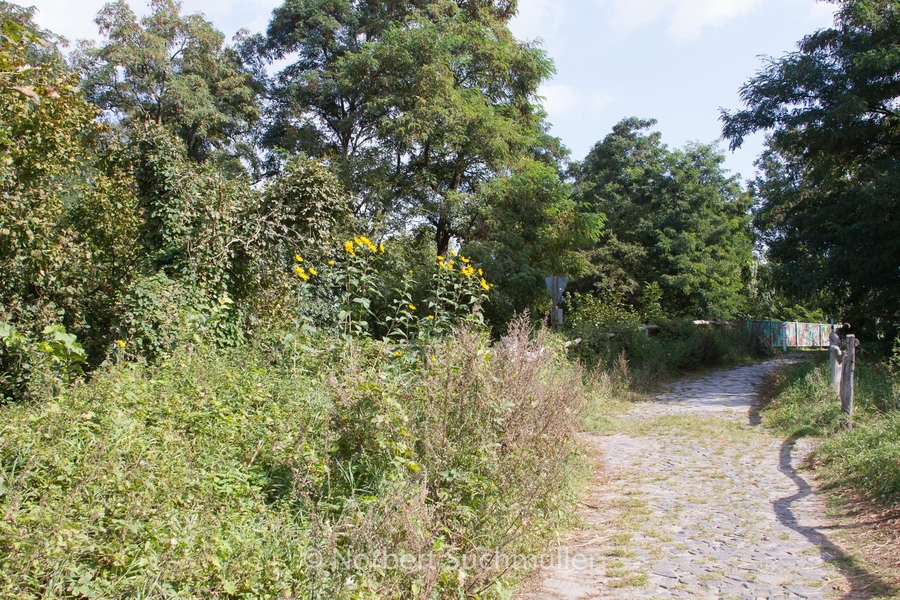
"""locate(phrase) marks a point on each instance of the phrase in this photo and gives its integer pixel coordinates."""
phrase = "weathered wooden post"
(849, 369)
(834, 351)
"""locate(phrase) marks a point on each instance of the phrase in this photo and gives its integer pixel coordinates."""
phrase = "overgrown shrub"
(298, 474)
(611, 331)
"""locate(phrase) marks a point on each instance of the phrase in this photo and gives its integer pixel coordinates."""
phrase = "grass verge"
(865, 458)
(858, 467)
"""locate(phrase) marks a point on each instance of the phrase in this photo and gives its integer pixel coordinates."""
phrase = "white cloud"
(74, 19)
(822, 14)
(564, 102)
(538, 19)
(692, 17)
(687, 19)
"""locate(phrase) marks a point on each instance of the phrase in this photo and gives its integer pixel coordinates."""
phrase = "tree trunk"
(442, 236)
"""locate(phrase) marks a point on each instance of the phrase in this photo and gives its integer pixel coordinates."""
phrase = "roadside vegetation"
(277, 334)
(277, 471)
(865, 457)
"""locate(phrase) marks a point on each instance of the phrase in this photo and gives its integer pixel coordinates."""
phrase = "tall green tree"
(674, 219)
(171, 69)
(828, 208)
(530, 227)
(319, 107)
(418, 103)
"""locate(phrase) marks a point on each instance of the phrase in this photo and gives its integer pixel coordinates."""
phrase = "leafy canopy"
(170, 69)
(674, 219)
(416, 103)
(827, 195)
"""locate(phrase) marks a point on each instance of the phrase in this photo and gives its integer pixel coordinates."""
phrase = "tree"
(674, 219)
(529, 228)
(68, 215)
(418, 103)
(827, 201)
(320, 108)
(169, 69)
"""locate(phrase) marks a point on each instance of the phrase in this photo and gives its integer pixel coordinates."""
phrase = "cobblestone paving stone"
(686, 512)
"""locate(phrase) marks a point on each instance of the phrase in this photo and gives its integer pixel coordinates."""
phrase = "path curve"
(694, 501)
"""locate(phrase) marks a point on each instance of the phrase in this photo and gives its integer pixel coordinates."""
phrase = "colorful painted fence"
(797, 335)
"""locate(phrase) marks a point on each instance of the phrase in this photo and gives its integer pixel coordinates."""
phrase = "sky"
(676, 61)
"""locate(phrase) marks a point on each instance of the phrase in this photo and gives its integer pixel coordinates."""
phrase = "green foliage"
(15, 364)
(674, 219)
(613, 340)
(172, 70)
(529, 228)
(66, 354)
(320, 34)
(52, 270)
(290, 476)
(156, 315)
(418, 103)
(866, 457)
(30, 368)
(304, 205)
(827, 193)
(363, 293)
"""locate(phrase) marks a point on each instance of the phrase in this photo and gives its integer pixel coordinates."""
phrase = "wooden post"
(834, 351)
(847, 376)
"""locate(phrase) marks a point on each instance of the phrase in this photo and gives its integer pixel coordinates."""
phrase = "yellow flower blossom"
(313, 271)
(364, 241)
(298, 258)
(434, 359)
(484, 285)
(331, 263)
(480, 273)
(348, 247)
(411, 307)
(398, 353)
(464, 259)
(453, 253)
(301, 273)
(440, 258)
(468, 271)
(381, 247)
(121, 343)
(431, 317)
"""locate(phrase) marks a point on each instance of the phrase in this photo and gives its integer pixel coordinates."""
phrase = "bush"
(198, 479)
(679, 347)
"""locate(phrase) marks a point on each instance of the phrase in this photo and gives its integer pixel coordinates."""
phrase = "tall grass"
(866, 457)
(331, 472)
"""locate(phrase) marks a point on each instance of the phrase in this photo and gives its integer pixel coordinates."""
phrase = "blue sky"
(677, 61)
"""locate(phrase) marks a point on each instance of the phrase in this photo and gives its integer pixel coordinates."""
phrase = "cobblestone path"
(695, 501)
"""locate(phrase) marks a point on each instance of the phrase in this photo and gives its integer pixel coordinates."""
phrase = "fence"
(816, 335)
(779, 334)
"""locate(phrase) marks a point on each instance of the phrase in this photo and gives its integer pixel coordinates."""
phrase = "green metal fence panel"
(791, 334)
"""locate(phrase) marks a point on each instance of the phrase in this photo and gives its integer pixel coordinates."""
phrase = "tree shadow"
(864, 584)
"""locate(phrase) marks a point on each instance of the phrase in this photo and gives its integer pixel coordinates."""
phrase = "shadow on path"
(864, 584)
